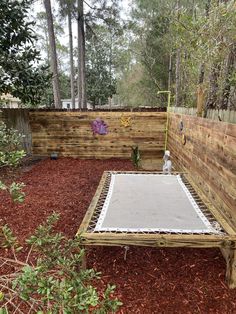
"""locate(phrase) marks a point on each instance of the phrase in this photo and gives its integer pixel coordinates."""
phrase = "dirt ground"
(168, 280)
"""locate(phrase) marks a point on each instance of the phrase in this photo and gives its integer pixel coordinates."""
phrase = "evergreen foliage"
(178, 44)
(20, 73)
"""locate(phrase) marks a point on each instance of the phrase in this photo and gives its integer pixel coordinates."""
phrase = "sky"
(38, 7)
(125, 4)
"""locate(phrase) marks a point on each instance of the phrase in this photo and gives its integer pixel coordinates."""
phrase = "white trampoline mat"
(149, 203)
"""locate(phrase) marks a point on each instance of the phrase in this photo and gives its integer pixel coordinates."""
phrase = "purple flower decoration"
(99, 127)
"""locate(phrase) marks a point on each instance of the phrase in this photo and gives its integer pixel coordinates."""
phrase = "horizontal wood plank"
(70, 134)
(209, 157)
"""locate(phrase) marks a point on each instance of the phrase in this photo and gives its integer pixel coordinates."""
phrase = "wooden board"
(70, 134)
(209, 158)
(157, 240)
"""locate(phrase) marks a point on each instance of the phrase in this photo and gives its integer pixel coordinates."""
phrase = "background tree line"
(187, 47)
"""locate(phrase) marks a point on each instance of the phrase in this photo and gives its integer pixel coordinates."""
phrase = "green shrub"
(10, 140)
(56, 282)
(10, 156)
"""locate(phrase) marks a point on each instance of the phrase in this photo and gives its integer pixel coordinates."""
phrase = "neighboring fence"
(218, 115)
(208, 156)
(69, 133)
(19, 120)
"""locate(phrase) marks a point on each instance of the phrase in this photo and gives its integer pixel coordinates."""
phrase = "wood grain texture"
(18, 119)
(70, 134)
(157, 240)
(209, 157)
(84, 225)
(230, 256)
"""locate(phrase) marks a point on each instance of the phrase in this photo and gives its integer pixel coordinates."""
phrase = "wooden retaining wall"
(209, 157)
(70, 134)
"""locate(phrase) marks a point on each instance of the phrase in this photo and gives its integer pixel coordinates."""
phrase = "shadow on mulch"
(168, 280)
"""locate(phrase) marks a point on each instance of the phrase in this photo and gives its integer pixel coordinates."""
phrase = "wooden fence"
(19, 120)
(218, 115)
(208, 156)
(70, 134)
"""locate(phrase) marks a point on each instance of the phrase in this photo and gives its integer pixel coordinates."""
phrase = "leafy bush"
(10, 141)
(15, 191)
(10, 156)
(55, 282)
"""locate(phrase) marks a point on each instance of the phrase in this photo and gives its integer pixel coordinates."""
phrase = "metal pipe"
(167, 110)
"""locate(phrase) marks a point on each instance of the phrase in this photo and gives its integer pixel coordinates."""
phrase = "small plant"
(10, 156)
(55, 282)
(15, 191)
(135, 156)
(10, 141)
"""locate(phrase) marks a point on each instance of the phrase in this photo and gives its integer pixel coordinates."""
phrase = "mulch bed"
(176, 280)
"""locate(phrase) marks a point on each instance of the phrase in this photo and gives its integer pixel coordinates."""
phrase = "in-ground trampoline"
(153, 209)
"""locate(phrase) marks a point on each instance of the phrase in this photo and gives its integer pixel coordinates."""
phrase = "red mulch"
(169, 280)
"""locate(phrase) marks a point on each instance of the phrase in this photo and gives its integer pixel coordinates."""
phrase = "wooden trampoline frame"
(226, 240)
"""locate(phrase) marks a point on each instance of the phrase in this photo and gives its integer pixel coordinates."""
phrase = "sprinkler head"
(54, 156)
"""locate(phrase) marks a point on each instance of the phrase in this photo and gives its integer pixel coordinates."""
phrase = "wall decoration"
(125, 121)
(99, 127)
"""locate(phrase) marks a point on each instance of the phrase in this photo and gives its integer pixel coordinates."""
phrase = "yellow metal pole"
(167, 111)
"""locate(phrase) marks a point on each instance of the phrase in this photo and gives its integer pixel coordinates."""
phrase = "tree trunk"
(201, 74)
(53, 55)
(208, 6)
(82, 99)
(177, 68)
(213, 88)
(202, 69)
(110, 61)
(212, 101)
(201, 92)
(194, 13)
(228, 72)
(170, 72)
(72, 87)
(177, 79)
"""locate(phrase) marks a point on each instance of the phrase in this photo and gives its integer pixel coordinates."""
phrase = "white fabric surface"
(151, 202)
